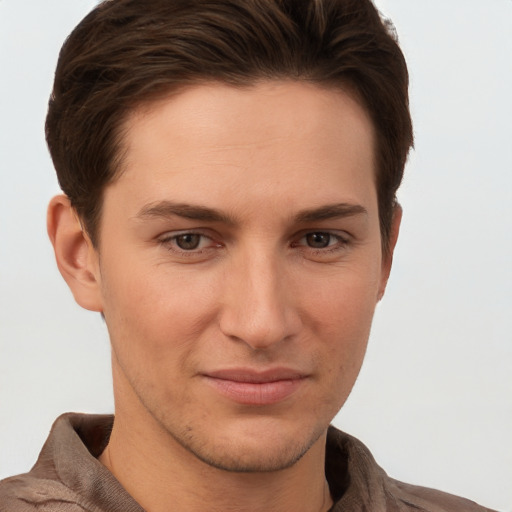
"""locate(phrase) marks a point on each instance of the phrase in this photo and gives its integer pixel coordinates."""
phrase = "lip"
(252, 387)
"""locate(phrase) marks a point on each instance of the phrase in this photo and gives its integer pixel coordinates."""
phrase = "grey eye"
(188, 241)
(318, 240)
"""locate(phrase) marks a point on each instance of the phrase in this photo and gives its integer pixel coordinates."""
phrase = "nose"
(258, 306)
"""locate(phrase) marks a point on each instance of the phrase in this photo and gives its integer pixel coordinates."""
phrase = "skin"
(241, 242)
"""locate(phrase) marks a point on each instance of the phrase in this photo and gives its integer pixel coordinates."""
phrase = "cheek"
(148, 312)
(344, 301)
(340, 317)
(345, 333)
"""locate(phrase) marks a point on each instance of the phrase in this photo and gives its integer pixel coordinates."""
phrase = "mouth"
(250, 387)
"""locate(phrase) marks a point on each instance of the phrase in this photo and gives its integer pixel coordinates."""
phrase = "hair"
(127, 52)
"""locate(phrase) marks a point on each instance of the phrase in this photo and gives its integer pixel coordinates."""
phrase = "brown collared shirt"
(68, 477)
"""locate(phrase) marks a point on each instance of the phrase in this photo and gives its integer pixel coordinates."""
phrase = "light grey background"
(434, 399)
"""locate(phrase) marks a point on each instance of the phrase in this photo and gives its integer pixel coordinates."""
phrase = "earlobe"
(387, 257)
(76, 257)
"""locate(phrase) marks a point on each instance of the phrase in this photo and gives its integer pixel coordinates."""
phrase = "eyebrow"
(330, 211)
(164, 209)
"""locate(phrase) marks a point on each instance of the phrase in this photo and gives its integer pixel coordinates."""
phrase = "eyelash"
(170, 243)
(341, 243)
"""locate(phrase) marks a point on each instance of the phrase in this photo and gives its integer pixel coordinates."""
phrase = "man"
(230, 171)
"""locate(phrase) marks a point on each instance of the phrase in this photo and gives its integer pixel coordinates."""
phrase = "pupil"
(318, 240)
(188, 242)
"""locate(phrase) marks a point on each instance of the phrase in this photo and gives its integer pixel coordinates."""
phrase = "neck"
(157, 471)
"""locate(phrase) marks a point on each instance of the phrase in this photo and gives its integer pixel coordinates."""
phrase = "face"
(239, 266)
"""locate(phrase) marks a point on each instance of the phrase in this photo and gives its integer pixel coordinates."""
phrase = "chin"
(250, 450)
(242, 459)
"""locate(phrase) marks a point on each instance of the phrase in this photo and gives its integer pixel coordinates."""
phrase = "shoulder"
(27, 493)
(430, 500)
(360, 483)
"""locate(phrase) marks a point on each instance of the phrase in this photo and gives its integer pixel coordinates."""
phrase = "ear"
(76, 257)
(387, 257)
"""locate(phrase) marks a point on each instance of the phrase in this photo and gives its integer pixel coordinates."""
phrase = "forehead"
(205, 141)
(295, 108)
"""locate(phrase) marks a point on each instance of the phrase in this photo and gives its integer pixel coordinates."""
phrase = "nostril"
(258, 307)
(260, 328)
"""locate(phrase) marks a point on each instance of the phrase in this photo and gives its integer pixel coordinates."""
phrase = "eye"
(324, 246)
(319, 240)
(189, 245)
(188, 241)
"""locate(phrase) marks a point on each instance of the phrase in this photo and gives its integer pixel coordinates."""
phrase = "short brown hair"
(126, 52)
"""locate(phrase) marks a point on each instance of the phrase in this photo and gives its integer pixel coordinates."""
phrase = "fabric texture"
(67, 477)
